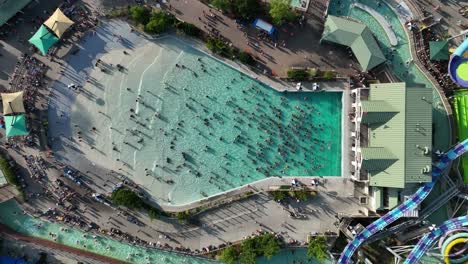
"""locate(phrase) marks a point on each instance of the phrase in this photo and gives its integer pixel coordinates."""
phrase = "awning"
(43, 39)
(439, 50)
(15, 125)
(58, 22)
(263, 25)
(12, 103)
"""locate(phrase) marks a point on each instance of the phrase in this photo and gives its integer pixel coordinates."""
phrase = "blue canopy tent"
(263, 25)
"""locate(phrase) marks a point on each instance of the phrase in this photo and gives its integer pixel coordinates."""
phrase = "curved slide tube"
(458, 65)
(409, 204)
(460, 238)
(427, 240)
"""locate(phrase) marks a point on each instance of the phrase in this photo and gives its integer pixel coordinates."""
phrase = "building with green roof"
(358, 37)
(397, 151)
(9, 8)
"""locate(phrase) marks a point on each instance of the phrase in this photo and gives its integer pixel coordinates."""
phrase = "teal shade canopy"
(43, 39)
(16, 125)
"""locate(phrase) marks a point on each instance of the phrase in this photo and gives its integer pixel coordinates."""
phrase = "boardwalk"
(5, 231)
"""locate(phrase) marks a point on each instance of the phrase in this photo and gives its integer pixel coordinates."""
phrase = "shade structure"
(12, 103)
(439, 50)
(43, 39)
(15, 125)
(58, 22)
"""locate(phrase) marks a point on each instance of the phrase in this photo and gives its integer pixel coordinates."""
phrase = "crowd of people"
(438, 69)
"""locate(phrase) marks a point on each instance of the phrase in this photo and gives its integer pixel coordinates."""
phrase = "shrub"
(159, 22)
(127, 198)
(298, 74)
(279, 195)
(300, 195)
(183, 216)
(246, 58)
(140, 14)
(217, 46)
(328, 75)
(8, 172)
(313, 72)
(188, 29)
(317, 248)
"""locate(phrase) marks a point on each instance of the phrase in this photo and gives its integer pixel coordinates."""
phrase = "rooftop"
(358, 37)
(400, 135)
(9, 8)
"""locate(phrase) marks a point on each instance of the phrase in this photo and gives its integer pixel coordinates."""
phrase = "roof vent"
(426, 169)
(426, 150)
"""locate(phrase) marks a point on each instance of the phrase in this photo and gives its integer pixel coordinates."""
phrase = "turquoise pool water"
(205, 127)
(11, 216)
(396, 56)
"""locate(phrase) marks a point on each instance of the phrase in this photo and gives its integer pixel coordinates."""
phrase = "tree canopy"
(318, 248)
(281, 11)
(229, 255)
(127, 198)
(246, 9)
(140, 14)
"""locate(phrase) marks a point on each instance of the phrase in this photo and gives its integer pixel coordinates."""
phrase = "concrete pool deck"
(79, 73)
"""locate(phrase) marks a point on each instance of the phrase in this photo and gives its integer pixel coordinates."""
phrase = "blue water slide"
(427, 240)
(413, 202)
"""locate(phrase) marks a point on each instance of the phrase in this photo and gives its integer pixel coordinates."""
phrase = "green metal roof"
(418, 134)
(439, 50)
(377, 159)
(358, 37)
(405, 135)
(8, 8)
(377, 111)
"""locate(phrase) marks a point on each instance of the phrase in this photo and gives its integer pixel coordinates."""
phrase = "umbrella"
(58, 22)
(43, 39)
(16, 125)
(12, 103)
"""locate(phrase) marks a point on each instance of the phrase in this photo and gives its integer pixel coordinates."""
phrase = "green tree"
(281, 11)
(140, 14)
(271, 246)
(224, 5)
(246, 58)
(153, 214)
(246, 9)
(127, 198)
(229, 255)
(159, 22)
(247, 257)
(318, 248)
